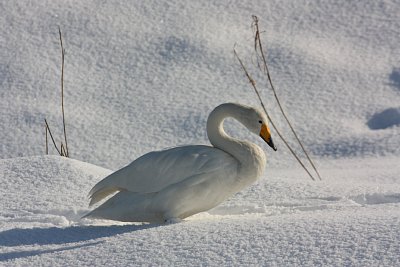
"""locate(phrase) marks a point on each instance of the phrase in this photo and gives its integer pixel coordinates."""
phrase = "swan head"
(257, 122)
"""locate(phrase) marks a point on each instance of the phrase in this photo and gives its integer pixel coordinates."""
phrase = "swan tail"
(127, 206)
(104, 188)
(101, 193)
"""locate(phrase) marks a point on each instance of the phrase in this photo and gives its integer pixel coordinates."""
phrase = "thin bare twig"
(51, 136)
(47, 143)
(252, 82)
(258, 47)
(62, 92)
(62, 150)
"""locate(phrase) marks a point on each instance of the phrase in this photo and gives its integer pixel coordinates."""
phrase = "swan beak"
(265, 134)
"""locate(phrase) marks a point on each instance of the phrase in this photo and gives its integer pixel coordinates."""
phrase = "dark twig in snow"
(62, 92)
(63, 151)
(47, 142)
(253, 84)
(51, 136)
(260, 53)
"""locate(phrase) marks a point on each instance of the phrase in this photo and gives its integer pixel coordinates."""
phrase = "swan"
(172, 184)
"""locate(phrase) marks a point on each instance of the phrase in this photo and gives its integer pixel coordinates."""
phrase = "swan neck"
(251, 157)
(219, 138)
(215, 131)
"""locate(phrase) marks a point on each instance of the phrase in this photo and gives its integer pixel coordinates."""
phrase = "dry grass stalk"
(63, 150)
(52, 139)
(63, 153)
(260, 54)
(251, 80)
(62, 91)
(47, 142)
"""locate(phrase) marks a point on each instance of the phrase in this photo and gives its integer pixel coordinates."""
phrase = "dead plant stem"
(268, 116)
(257, 43)
(51, 136)
(62, 92)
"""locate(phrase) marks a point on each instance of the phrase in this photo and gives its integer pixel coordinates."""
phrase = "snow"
(352, 217)
(142, 76)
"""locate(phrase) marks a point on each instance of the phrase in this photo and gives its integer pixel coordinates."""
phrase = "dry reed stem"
(51, 136)
(252, 82)
(258, 48)
(47, 143)
(62, 92)
(63, 151)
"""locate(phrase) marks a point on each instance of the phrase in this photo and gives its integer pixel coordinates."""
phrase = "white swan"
(172, 184)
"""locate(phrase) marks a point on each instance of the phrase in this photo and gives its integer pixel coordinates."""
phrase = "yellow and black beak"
(265, 134)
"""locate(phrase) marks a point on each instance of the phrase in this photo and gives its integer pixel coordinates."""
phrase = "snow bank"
(351, 218)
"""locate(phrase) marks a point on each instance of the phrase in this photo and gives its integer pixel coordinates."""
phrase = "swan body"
(172, 184)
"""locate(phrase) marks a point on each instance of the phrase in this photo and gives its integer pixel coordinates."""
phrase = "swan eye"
(260, 122)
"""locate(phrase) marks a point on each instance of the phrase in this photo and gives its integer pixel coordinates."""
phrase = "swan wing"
(156, 170)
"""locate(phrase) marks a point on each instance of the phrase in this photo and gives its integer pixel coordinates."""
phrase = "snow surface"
(351, 218)
(143, 75)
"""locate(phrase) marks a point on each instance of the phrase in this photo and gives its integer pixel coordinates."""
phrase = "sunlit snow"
(144, 75)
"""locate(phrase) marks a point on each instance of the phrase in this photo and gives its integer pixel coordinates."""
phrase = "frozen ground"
(141, 76)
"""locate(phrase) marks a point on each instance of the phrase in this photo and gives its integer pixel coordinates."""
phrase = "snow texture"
(144, 75)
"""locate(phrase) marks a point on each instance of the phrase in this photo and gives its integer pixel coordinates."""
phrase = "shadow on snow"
(59, 236)
(37, 252)
(54, 235)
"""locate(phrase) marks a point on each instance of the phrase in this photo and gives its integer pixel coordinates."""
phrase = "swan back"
(157, 170)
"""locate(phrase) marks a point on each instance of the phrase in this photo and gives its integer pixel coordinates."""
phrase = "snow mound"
(45, 190)
(350, 218)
